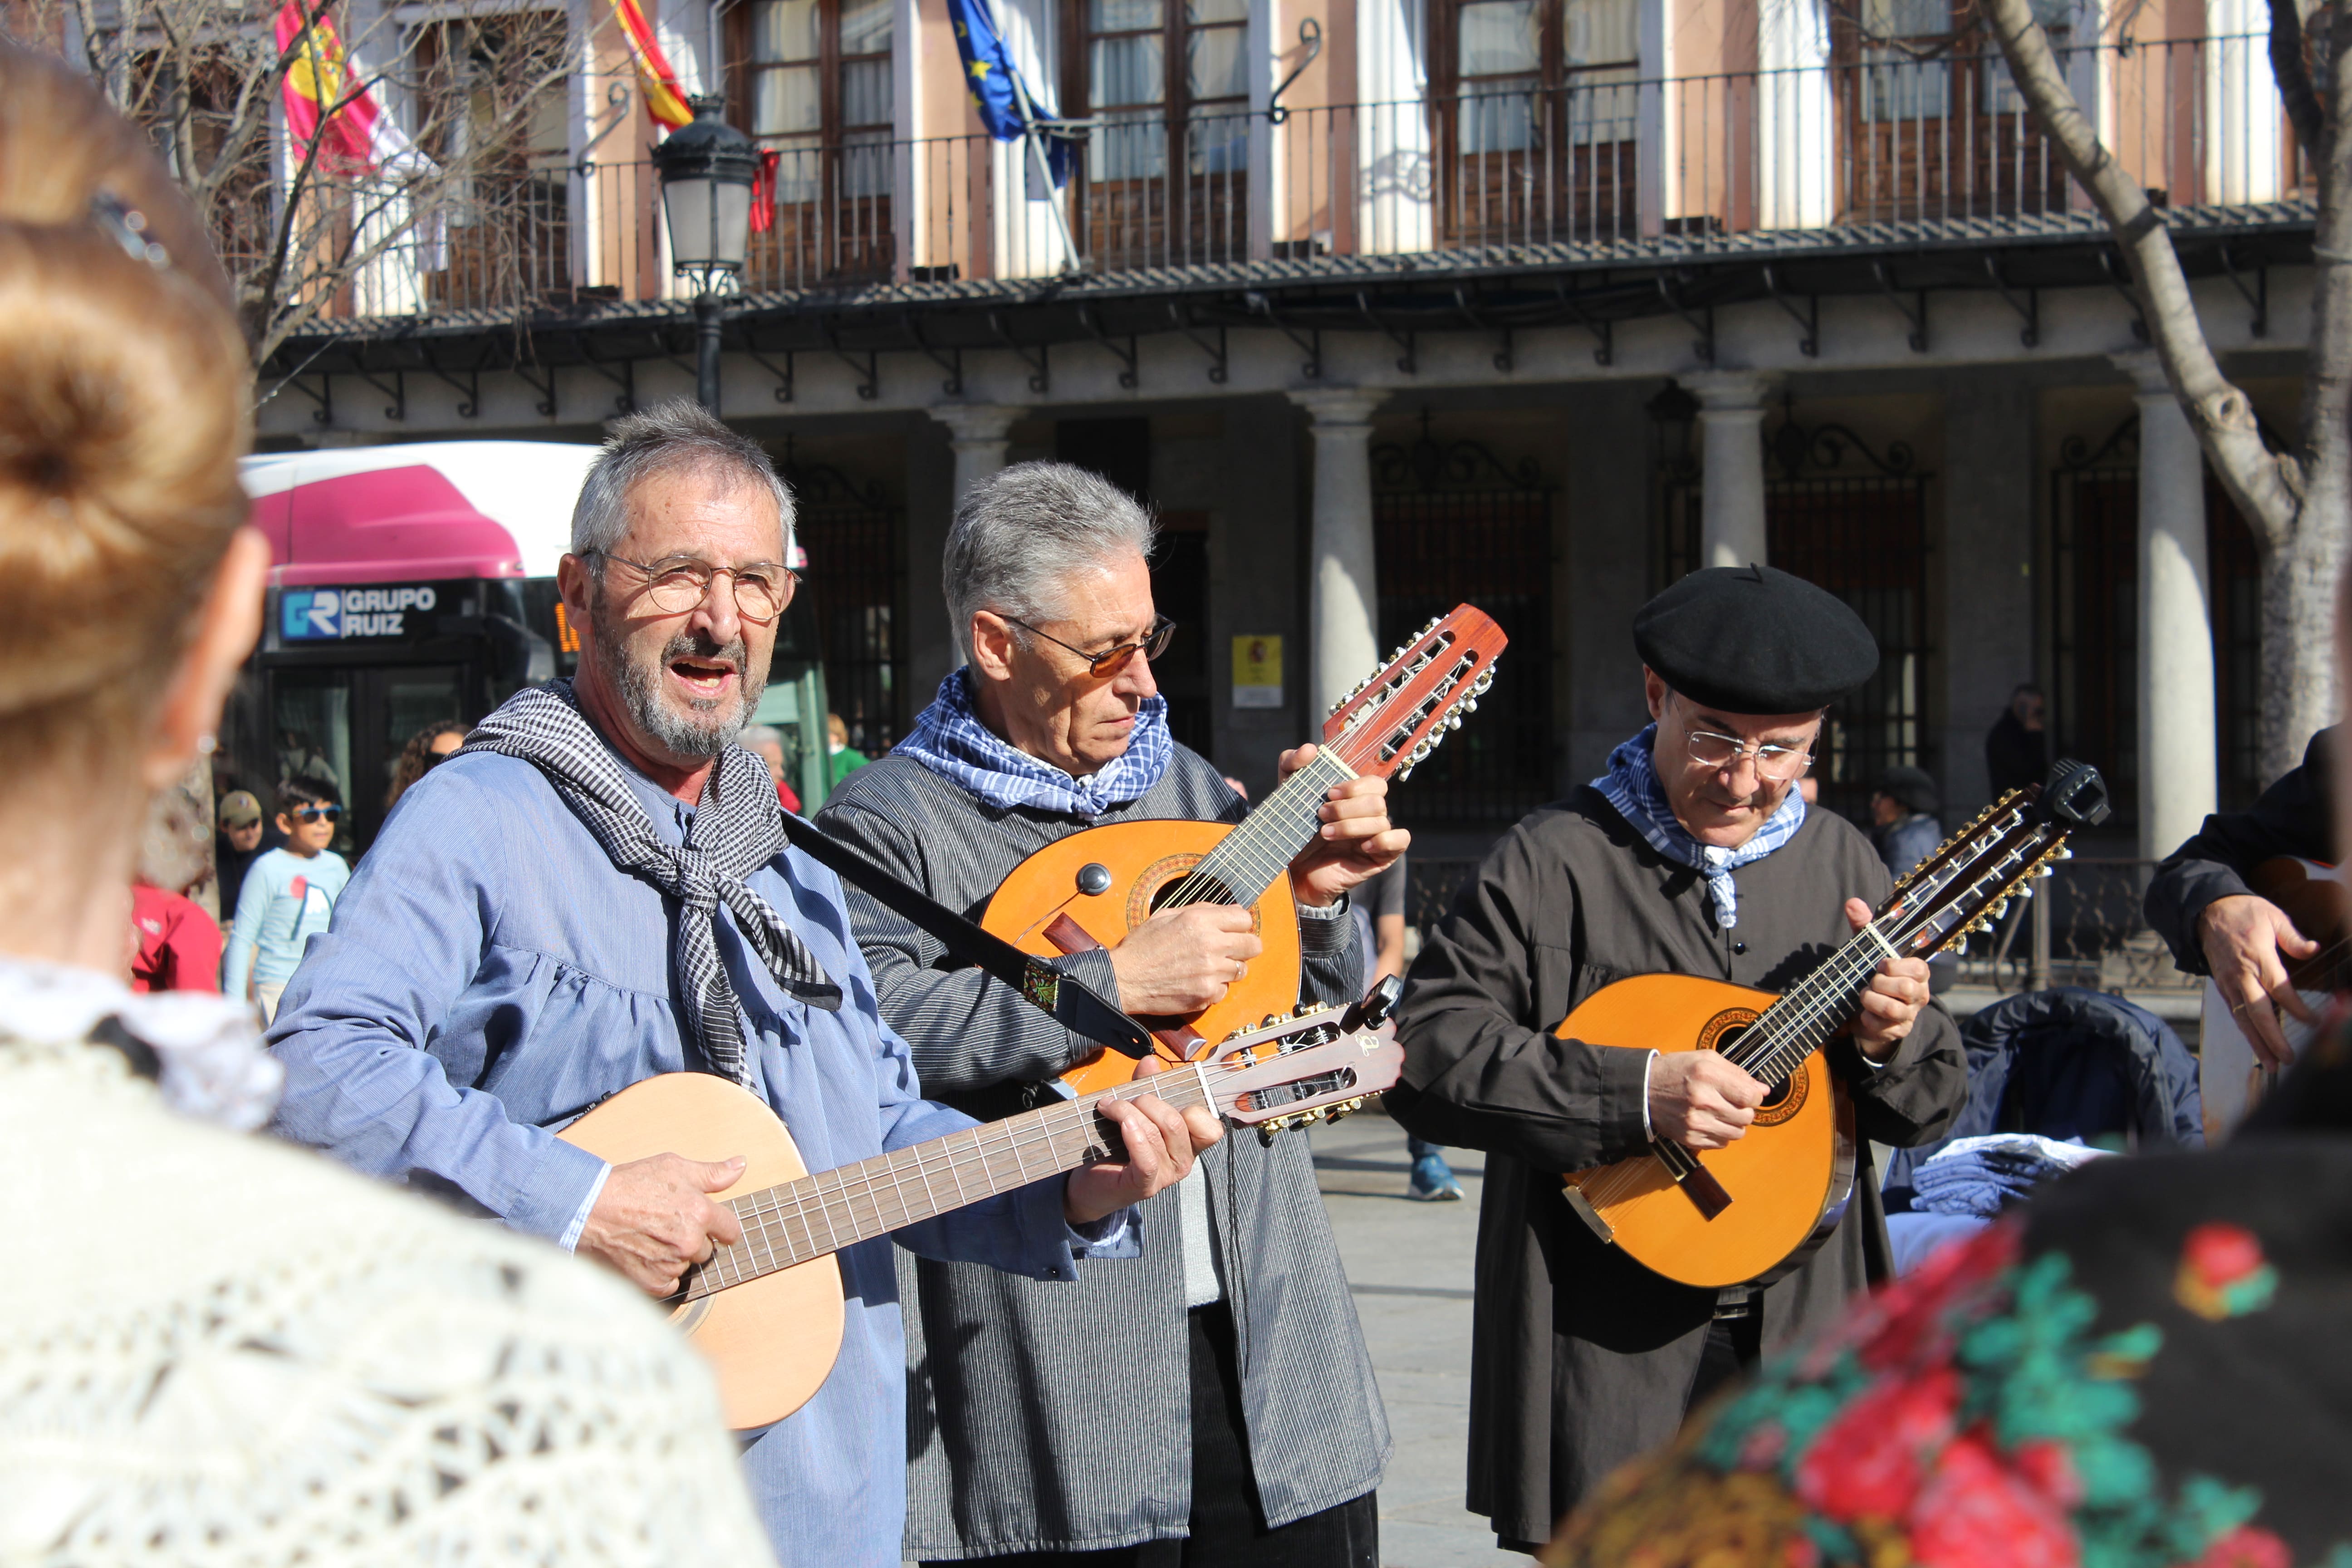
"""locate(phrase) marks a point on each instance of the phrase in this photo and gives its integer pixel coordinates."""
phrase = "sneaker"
(1433, 1182)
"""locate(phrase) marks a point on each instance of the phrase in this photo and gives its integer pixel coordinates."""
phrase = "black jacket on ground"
(2292, 817)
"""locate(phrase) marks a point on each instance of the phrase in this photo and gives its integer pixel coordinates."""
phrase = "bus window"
(311, 726)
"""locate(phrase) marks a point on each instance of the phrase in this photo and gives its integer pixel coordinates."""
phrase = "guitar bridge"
(1587, 1214)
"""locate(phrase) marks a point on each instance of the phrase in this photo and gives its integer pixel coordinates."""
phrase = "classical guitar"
(1758, 1208)
(768, 1311)
(1091, 889)
(2231, 1080)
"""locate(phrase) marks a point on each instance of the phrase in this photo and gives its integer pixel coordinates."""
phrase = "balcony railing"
(1693, 162)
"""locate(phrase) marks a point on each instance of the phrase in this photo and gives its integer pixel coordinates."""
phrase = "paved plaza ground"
(1410, 1267)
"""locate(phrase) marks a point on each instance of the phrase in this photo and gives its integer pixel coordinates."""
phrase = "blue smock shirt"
(489, 975)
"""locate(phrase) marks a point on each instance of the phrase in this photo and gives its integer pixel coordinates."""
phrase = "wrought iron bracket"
(324, 414)
(1180, 318)
(1808, 320)
(2030, 312)
(625, 377)
(1604, 331)
(783, 375)
(469, 390)
(950, 361)
(546, 389)
(1916, 314)
(1796, 449)
(1410, 364)
(1502, 358)
(397, 409)
(1311, 344)
(1310, 33)
(1041, 369)
(2120, 275)
(2257, 299)
(1127, 377)
(1702, 324)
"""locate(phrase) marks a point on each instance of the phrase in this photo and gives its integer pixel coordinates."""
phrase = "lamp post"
(707, 170)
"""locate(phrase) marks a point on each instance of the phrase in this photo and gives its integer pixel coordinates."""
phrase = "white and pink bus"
(417, 582)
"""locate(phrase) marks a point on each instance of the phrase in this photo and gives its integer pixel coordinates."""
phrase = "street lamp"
(706, 171)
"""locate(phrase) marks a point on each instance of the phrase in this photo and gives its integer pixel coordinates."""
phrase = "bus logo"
(336, 614)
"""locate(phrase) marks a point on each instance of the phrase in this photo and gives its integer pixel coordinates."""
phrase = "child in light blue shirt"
(289, 896)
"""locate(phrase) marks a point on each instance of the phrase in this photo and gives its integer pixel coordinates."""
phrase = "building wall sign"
(1257, 671)
(344, 615)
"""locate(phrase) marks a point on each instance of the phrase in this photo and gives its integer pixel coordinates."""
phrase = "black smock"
(2295, 816)
(1580, 1358)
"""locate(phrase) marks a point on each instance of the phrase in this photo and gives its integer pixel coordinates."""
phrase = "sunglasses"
(317, 814)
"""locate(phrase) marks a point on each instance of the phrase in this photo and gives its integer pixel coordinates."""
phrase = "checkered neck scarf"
(949, 739)
(1631, 787)
(737, 828)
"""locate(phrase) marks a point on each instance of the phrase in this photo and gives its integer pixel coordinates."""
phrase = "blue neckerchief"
(949, 739)
(1631, 787)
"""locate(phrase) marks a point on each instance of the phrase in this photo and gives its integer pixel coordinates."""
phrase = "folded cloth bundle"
(1977, 1175)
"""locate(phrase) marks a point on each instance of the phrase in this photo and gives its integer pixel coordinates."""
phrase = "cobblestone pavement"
(1410, 1267)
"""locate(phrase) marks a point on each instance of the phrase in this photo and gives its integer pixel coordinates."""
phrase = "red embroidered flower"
(2222, 1273)
(1867, 1464)
(2049, 1466)
(1901, 1323)
(1974, 1513)
(2246, 1547)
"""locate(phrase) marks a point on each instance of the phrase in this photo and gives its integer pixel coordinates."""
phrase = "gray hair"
(668, 437)
(1023, 532)
(761, 735)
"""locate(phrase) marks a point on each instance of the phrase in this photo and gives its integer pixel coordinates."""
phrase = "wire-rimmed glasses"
(677, 583)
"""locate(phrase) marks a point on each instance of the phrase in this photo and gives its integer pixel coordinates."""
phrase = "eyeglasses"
(677, 583)
(317, 814)
(1774, 764)
(1110, 660)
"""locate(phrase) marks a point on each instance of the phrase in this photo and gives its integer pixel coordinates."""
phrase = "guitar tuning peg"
(2025, 889)
(1404, 772)
(1453, 720)
(1470, 705)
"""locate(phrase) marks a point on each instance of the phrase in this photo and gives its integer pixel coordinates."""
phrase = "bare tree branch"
(2289, 65)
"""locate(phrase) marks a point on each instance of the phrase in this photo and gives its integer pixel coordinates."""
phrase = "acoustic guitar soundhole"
(1166, 879)
(1723, 1033)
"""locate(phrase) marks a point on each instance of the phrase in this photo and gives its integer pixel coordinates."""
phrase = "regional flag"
(994, 82)
(665, 100)
(359, 137)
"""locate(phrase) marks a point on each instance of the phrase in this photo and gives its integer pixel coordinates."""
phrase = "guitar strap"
(1071, 1004)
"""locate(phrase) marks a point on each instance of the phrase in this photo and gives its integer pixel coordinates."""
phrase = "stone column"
(1343, 601)
(1731, 453)
(2178, 773)
(978, 435)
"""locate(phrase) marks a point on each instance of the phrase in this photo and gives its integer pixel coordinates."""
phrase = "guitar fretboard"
(1261, 846)
(796, 1221)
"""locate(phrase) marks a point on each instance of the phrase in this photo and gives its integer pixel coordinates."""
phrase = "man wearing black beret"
(1694, 854)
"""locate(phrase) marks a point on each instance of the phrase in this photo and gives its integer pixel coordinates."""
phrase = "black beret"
(1753, 639)
(1912, 789)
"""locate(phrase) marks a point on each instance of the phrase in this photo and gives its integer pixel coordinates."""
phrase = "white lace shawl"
(219, 1350)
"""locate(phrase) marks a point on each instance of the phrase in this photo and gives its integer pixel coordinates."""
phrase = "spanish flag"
(665, 100)
(358, 137)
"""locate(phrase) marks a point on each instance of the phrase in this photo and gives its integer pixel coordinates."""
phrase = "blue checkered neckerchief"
(950, 740)
(1631, 787)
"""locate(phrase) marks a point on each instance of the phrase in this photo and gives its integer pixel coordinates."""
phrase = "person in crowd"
(1903, 818)
(2017, 748)
(175, 946)
(596, 889)
(289, 896)
(2214, 925)
(767, 742)
(1693, 854)
(420, 753)
(235, 845)
(841, 758)
(1217, 1394)
(1379, 908)
(229, 1351)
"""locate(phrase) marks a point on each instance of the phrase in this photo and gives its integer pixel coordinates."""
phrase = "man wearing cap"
(236, 845)
(1903, 817)
(1694, 854)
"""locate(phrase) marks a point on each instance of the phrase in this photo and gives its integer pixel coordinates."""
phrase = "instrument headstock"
(1320, 1064)
(1966, 884)
(1397, 717)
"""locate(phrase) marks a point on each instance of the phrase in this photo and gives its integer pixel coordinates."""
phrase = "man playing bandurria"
(1211, 1403)
(596, 889)
(1694, 854)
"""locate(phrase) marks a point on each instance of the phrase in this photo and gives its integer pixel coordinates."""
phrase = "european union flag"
(996, 85)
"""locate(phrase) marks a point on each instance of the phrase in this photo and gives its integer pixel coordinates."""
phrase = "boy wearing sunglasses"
(288, 895)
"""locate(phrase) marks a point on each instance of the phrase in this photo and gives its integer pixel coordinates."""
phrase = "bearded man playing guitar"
(596, 889)
(1212, 1401)
(1693, 854)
